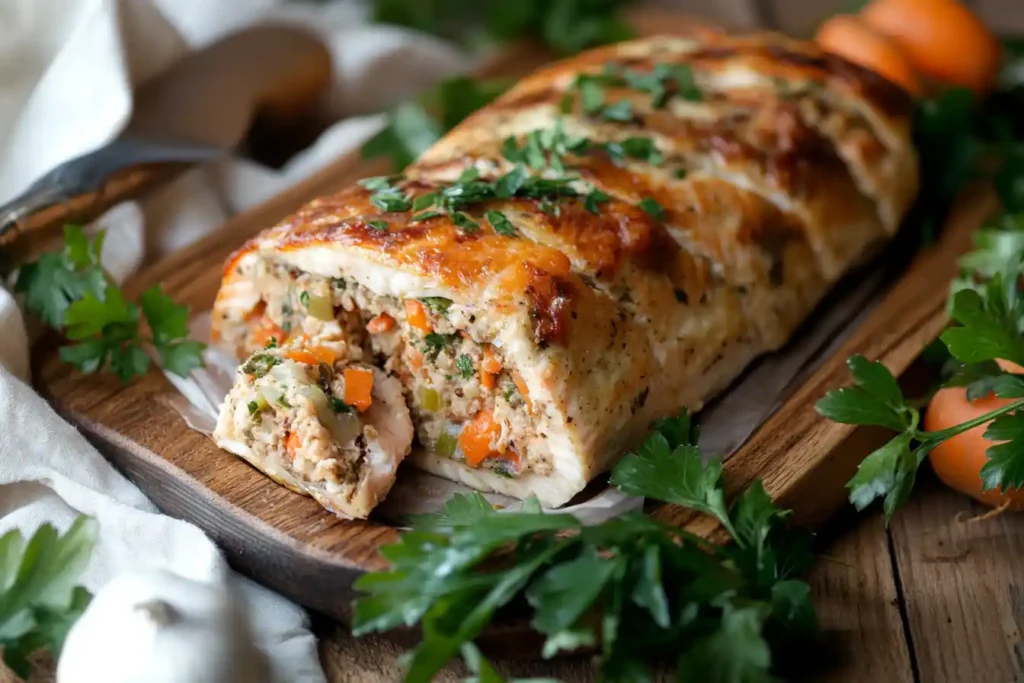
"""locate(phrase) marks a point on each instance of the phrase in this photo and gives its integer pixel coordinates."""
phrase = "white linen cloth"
(67, 70)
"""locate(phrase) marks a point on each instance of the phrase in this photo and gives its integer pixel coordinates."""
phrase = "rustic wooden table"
(935, 598)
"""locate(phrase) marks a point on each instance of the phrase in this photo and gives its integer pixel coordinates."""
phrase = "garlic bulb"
(157, 627)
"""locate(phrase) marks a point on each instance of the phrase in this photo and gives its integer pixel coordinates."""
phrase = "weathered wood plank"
(856, 598)
(963, 586)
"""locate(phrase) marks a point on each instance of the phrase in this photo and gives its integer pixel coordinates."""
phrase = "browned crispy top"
(786, 144)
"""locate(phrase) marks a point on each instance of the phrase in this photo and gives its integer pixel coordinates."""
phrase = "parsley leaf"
(38, 597)
(633, 588)
(566, 26)
(435, 342)
(593, 199)
(1005, 467)
(674, 473)
(652, 208)
(989, 329)
(874, 400)
(438, 304)
(71, 292)
(464, 222)
(619, 111)
(465, 366)
(501, 224)
(54, 281)
(259, 364)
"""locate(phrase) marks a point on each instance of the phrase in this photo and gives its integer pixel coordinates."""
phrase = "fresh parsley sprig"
(565, 26)
(39, 601)
(988, 331)
(70, 291)
(633, 589)
(412, 127)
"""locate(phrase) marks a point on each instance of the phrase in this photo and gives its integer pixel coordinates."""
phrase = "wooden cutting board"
(292, 545)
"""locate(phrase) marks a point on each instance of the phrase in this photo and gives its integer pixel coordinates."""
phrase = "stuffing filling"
(465, 403)
(298, 411)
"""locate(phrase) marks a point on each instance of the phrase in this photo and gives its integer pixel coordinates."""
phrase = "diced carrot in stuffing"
(416, 315)
(266, 331)
(312, 355)
(490, 363)
(488, 380)
(415, 358)
(292, 444)
(476, 437)
(257, 311)
(358, 388)
(380, 323)
(521, 386)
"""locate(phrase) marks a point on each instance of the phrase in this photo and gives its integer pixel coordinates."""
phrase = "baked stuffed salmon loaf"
(613, 239)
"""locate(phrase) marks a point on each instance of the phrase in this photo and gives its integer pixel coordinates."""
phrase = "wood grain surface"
(289, 543)
(932, 600)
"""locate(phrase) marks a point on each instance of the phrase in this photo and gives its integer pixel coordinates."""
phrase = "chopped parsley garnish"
(438, 304)
(339, 406)
(593, 198)
(283, 402)
(643, 149)
(465, 366)
(545, 148)
(620, 111)
(464, 222)
(375, 183)
(386, 197)
(424, 201)
(426, 215)
(679, 173)
(591, 90)
(254, 408)
(390, 200)
(271, 343)
(304, 298)
(435, 342)
(662, 83)
(501, 224)
(652, 208)
(260, 364)
(382, 226)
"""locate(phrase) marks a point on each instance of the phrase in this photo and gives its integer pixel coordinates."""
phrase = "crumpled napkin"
(67, 70)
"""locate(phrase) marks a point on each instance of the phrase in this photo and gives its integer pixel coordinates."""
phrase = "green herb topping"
(435, 342)
(652, 208)
(465, 366)
(260, 364)
(438, 304)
